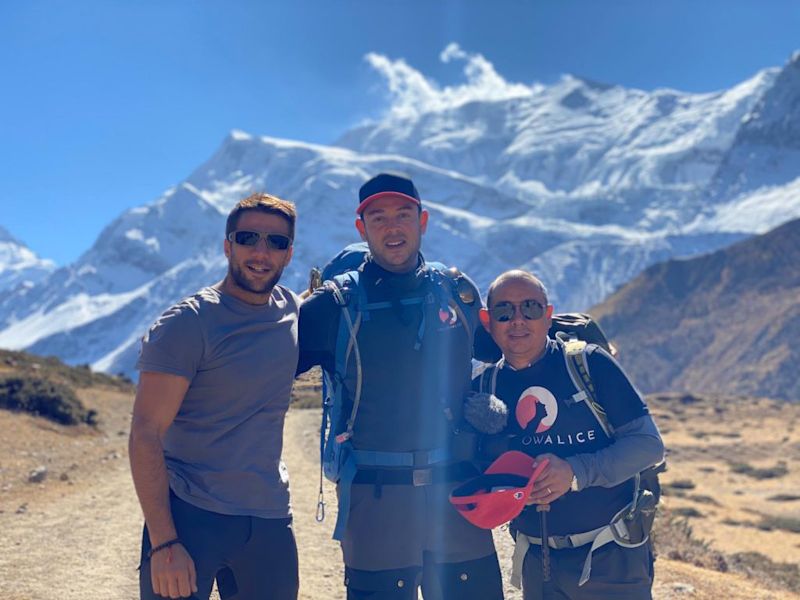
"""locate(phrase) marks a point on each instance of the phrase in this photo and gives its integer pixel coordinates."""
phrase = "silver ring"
(549, 491)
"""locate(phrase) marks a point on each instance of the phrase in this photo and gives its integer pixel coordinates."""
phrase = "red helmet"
(500, 493)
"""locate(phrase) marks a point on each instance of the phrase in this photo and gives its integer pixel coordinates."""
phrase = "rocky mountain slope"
(726, 322)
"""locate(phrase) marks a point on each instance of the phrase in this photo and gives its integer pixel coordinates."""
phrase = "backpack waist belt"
(419, 462)
(416, 477)
(417, 458)
(616, 531)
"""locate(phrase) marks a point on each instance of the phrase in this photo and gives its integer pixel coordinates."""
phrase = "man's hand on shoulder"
(172, 572)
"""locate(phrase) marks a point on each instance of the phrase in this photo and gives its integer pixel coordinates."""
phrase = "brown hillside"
(727, 322)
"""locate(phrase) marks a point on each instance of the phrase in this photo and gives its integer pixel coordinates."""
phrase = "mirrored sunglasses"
(532, 310)
(276, 241)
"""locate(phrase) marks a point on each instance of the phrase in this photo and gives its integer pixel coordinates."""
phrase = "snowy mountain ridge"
(585, 184)
(575, 137)
(19, 265)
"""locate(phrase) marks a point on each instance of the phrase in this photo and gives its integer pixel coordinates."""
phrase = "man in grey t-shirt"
(206, 437)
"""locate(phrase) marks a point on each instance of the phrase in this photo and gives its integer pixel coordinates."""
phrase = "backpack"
(574, 350)
(338, 459)
(349, 259)
(580, 326)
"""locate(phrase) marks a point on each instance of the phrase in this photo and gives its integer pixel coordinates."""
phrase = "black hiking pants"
(469, 580)
(399, 538)
(251, 558)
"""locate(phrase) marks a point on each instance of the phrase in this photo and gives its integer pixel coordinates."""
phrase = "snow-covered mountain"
(766, 150)
(583, 183)
(19, 265)
(576, 138)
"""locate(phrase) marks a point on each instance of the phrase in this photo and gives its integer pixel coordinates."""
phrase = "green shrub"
(784, 498)
(39, 396)
(770, 522)
(687, 511)
(673, 537)
(757, 566)
(23, 363)
(681, 484)
(703, 499)
(779, 470)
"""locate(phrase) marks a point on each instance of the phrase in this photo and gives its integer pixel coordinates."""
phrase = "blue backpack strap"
(346, 476)
(347, 344)
(448, 296)
(344, 290)
(445, 294)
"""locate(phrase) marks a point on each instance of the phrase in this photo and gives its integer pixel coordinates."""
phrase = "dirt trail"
(80, 545)
(81, 541)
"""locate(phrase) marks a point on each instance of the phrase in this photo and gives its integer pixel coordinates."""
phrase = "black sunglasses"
(276, 241)
(532, 310)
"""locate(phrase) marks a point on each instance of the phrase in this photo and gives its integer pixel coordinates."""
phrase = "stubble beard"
(237, 275)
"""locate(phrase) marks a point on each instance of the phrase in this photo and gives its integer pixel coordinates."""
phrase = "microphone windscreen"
(485, 412)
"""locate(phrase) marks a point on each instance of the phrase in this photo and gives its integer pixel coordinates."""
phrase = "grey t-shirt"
(223, 450)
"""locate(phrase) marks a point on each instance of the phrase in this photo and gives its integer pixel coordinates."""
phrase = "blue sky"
(104, 104)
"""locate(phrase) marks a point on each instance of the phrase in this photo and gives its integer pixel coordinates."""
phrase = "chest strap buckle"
(420, 477)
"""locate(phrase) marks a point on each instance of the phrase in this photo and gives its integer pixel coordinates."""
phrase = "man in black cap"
(394, 339)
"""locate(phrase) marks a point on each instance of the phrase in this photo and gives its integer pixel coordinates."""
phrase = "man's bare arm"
(158, 398)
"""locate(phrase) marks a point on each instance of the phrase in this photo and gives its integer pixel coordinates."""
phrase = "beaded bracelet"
(171, 542)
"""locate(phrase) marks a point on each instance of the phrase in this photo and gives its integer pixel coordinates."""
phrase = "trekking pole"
(543, 509)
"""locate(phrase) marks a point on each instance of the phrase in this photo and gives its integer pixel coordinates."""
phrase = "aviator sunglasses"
(532, 310)
(276, 241)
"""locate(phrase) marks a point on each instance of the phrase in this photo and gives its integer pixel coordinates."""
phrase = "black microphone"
(485, 412)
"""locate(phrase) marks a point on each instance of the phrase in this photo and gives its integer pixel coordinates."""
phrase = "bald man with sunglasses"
(207, 432)
(590, 478)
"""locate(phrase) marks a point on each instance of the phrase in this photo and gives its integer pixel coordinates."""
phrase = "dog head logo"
(537, 409)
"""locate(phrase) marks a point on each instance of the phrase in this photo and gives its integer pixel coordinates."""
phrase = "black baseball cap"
(387, 184)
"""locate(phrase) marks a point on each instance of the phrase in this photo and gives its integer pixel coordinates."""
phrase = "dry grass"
(731, 494)
(674, 538)
(307, 390)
